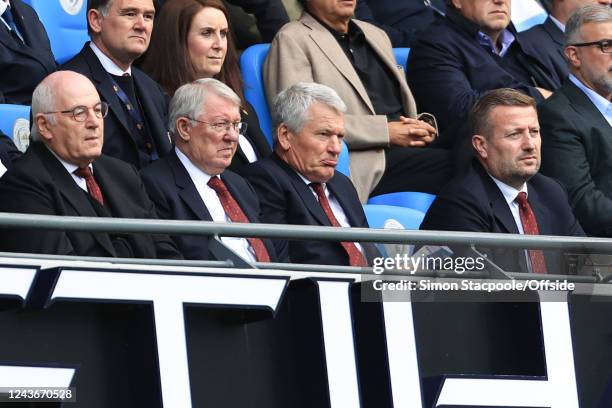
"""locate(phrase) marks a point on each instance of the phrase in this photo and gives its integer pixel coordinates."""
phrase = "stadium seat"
(526, 14)
(344, 160)
(251, 65)
(401, 56)
(66, 25)
(408, 199)
(15, 122)
(382, 216)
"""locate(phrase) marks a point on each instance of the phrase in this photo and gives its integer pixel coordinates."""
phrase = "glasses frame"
(599, 43)
(86, 109)
(215, 126)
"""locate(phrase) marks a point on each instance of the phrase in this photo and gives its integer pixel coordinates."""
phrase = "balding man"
(64, 173)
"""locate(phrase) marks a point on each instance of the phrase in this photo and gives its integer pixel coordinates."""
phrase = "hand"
(545, 92)
(408, 132)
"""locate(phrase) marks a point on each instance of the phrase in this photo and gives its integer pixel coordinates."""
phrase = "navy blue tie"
(8, 17)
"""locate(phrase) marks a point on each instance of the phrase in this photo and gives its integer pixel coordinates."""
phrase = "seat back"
(66, 25)
(401, 56)
(380, 216)
(407, 199)
(344, 160)
(251, 65)
(15, 123)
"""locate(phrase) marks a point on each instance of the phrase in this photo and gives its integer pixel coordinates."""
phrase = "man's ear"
(283, 135)
(571, 53)
(479, 143)
(183, 128)
(456, 4)
(42, 122)
(94, 19)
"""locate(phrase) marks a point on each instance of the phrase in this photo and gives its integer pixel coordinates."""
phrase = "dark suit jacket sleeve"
(30, 196)
(273, 206)
(269, 14)
(455, 212)
(565, 158)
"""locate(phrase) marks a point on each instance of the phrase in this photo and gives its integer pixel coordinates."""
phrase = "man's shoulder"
(547, 186)
(558, 102)
(80, 62)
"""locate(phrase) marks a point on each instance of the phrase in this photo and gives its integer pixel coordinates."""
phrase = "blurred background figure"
(192, 40)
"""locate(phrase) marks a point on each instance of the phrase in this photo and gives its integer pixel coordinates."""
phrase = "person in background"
(25, 52)
(135, 127)
(193, 39)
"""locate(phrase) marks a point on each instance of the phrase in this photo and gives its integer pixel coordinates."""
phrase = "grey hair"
(43, 100)
(291, 105)
(189, 99)
(592, 13)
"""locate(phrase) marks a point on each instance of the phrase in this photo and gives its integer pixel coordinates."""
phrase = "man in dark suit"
(502, 191)
(298, 184)
(547, 39)
(403, 20)
(577, 121)
(135, 129)
(25, 52)
(64, 173)
(192, 182)
(473, 50)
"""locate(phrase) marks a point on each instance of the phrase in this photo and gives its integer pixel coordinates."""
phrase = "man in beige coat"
(388, 144)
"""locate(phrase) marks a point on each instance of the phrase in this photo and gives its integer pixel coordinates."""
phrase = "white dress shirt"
(213, 204)
(107, 63)
(70, 168)
(334, 204)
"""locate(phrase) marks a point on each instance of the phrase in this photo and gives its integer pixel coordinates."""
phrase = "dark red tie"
(92, 185)
(356, 258)
(234, 212)
(530, 227)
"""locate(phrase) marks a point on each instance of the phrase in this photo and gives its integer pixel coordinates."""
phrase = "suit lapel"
(499, 206)
(105, 86)
(583, 106)
(154, 121)
(334, 53)
(73, 194)
(539, 210)
(306, 194)
(555, 34)
(349, 209)
(186, 189)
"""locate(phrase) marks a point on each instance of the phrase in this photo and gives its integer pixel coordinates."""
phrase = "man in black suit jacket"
(487, 198)
(25, 53)
(55, 177)
(547, 39)
(577, 121)
(135, 129)
(206, 123)
(474, 49)
(309, 125)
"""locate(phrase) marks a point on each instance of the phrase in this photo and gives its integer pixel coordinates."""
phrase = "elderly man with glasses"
(193, 183)
(64, 173)
(577, 120)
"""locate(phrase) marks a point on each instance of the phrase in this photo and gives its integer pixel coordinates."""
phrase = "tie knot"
(521, 198)
(83, 172)
(318, 188)
(217, 184)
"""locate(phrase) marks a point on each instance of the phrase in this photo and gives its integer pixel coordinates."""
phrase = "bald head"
(69, 117)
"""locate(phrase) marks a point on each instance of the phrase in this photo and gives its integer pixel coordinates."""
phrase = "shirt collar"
(107, 63)
(506, 38)
(3, 6)
(557, 23)
(353, 33)
(510, 193)
(602, 104)
(70, 168)
(197, 175)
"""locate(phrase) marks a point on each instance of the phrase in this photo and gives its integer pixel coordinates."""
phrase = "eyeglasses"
(604, 45)
(79, 113)
(219, 127)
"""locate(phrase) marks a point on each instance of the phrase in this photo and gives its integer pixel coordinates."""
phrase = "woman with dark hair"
(192, 39)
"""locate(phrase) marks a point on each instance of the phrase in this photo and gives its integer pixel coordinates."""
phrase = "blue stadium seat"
(66, 25)
(344, 160)
(408, 199)
(251, 65)
(15, 122)
(401, 56)
(379, 215)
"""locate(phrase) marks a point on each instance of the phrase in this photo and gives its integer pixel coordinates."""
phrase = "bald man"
(64, 173)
